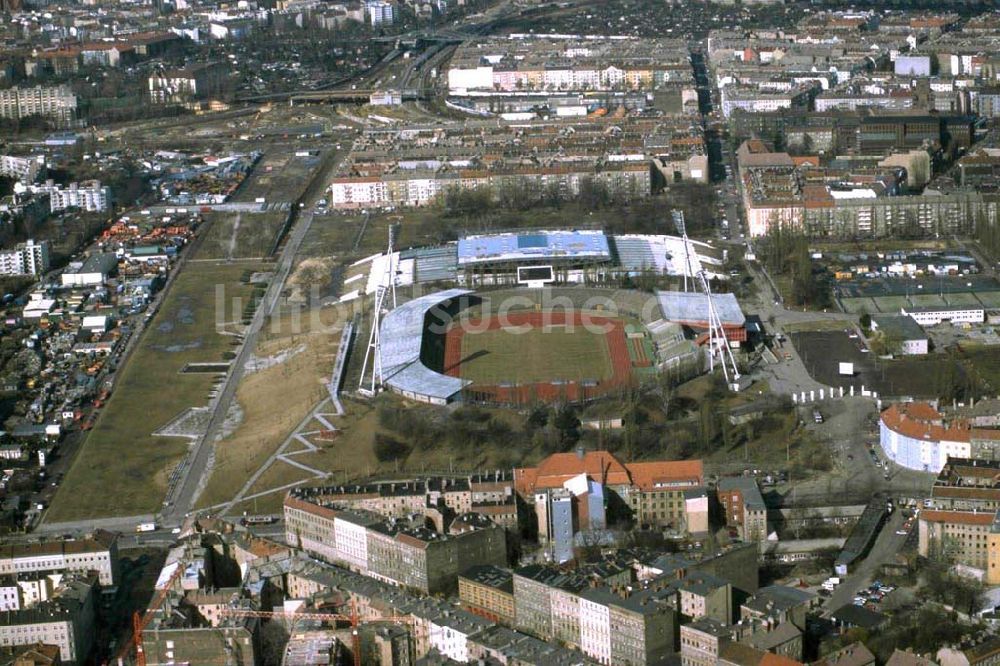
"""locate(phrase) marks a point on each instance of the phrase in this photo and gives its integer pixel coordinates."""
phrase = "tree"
(388, 448)
(273, 639)
(865, 320)
(567, 425)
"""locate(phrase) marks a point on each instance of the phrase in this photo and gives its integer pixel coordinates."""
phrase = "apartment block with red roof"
(660, 493)
(917, 436)
(972, 538)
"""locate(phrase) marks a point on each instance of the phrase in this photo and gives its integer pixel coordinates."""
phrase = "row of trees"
(785, 251)
(471, 430)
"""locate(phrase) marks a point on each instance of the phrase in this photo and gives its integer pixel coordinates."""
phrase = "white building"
(56, 102)
(931, 316)
(92, 271)
(24, 169)
(380, 12)
(10, 595)
(29, 258)
(449, 632)
(916, 436)
(756, 100)
(358, 192)
(595, 629)
(98, 553)
(352, 540)
(66, 621)
(904, 331)
(88, 195)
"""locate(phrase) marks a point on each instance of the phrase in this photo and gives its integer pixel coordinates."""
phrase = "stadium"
(514, 347)
(523, 323)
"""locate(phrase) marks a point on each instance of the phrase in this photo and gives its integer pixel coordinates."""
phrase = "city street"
(861, 575)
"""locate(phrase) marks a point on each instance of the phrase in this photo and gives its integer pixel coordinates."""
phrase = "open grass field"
(928, 300)
(990, 299)
(298, 364)
(858, 305)
(241, 235)
(963, 298)
(122, 468)
(280, 175)
(540, 355)
(891, 304)
(530, 355)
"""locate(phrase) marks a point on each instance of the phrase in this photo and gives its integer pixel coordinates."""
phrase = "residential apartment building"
(55, 102)
(743, 506)
(393, 550)
(563, 63)
(89, 195)
(380, 12)
(491, 495)
(28, 258)
(199, 81)
(488, 591)
(421, 187)
(702, 641)
(66, 620)
(232, 645)
(966, 484)
(972, 538)
(756, 99)
(24, 169)
(570, 489)
(599, 610)
(704, 595)
(822, 202)
(979, 651)
(97, 552)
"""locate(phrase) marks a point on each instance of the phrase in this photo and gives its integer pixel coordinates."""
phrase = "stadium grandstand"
(402, 337)
(525, 258)
(690, 309)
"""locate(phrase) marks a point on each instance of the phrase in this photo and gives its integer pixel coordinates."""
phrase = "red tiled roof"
(771, 659)
(605, 468)
(648, 475)
(309, 507)
(960, 517)
(921, 421)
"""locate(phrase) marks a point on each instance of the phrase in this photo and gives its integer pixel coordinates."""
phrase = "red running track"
(621, 362)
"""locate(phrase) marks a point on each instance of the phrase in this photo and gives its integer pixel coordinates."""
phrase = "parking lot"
(823, 352)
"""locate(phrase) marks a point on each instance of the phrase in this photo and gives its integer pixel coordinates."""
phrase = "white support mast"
(718, 343)
(369, 383)
(678, 217)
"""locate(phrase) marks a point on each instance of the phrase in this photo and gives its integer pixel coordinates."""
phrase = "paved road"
(887, 544)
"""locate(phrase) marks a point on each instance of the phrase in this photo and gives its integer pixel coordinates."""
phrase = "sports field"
(540, 355)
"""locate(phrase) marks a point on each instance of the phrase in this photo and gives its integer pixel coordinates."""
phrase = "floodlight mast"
(678, 218)
(369, 384)
(718, 342)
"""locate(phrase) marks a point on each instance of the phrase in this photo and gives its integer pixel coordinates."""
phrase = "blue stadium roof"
(534, 245)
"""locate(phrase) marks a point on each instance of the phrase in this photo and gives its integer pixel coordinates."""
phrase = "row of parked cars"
(873, 595)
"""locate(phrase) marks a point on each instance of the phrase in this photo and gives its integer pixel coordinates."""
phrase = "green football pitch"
(540, 355)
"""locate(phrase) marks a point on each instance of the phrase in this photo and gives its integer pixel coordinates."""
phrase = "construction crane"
(141, 620)
(322, 617)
